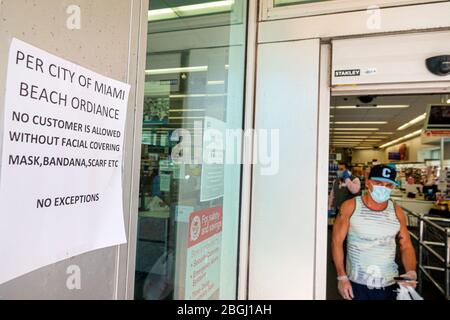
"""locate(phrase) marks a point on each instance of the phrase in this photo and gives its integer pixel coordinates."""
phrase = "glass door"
(188, 219)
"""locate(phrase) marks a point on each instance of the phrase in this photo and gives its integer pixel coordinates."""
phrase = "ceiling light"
(448, 101)
(339, 135)
(347, 141)
(197, 95)
(161, 14)
(186, 110)
(399, 106)
(408, 136)
(215, 83)
(179, 118)
(359, 122)
(383, 133)
(350, 133)
(351, 136)
(363, 148)
(361, 140)
(176, 70)
(413, 122)
(355, 129)
(220, 5)
(344, 144)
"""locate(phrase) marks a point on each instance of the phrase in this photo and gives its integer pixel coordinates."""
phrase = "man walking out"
(371, 223)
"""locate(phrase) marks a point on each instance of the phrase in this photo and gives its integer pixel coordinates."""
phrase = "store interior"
(395, 130)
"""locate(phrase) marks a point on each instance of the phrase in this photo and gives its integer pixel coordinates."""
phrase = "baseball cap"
(383, 173)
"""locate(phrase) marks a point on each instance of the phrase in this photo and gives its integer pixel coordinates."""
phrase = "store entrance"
(366, 130)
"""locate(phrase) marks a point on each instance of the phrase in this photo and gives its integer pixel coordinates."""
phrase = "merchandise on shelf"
(332, 174)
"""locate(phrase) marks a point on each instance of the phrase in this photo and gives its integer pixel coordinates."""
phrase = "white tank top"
(371, 246)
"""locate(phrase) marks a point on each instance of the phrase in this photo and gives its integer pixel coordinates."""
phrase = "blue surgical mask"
(380, 194)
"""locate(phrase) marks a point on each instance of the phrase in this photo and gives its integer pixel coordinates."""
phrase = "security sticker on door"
(347, 73)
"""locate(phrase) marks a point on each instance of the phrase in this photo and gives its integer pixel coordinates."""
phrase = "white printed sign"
(203, 254)
(61, 174)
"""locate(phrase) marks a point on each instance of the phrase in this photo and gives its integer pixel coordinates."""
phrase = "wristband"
(342, 278)
(412, 274)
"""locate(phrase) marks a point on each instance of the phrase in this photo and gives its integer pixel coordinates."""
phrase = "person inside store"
(345, 187)
(359, 173)
(372, 223)
(155, 179)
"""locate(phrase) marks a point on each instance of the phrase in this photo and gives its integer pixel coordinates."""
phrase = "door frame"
(127, 262)
(127, 252)
(323, 137)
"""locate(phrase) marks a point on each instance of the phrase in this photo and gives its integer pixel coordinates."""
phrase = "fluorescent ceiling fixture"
(346, 140)
(345, 143)
(196, 95)
(360, 122)
(178, 118)
(338, 136)
(161, 14)
(176, 70)
(448, 101)
(413, 122)
(351, 135)
(220, 5)
(354, 139)
(355, 129)
(408, 136)
(370, 138)
(388, 133)
(215, 82)
(190, 10)
(399, 106)
(363, 148)
(186, 110)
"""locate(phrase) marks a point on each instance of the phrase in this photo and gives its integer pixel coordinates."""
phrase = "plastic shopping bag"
(407, 293)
